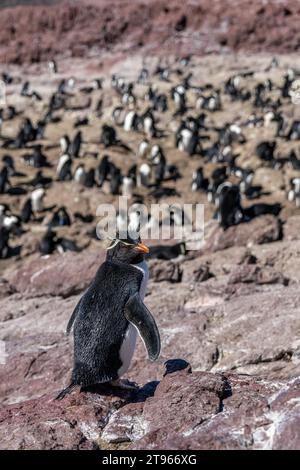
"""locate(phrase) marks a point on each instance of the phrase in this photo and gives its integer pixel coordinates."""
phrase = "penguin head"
(127, 251)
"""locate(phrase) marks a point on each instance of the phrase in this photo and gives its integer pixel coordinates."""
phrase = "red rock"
(57, 275)
(36, 33)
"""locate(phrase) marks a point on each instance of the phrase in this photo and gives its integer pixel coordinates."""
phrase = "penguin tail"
(65, 391)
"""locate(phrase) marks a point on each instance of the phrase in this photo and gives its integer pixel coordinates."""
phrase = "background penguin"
(60, 218)
(144, 148)
(230, 211)
(127, 186)
(37, 197)
(48, 242)
(74, 148)
(80, 174)
(103, 170)
(26, 211)
(115, 180)
(4, 181)
(65, 144)
(4, 240)
(63, 170)
(89, 181)
(144, 175)
(107, 318)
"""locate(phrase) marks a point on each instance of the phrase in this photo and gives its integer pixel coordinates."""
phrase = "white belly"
(128, 346)
(127, 349)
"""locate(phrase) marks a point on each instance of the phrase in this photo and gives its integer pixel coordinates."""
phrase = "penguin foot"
(124, 384)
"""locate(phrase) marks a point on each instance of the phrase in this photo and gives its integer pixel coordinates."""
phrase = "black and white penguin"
(74, 148)
(52, 65)
(144, 175)
(4, 242)
(167, 252)
(229, 207)
(80, 174)
(37, 158)
(60, 218)
(199, 183)
(115, 180)
(144, 148)
(103, 170)
(37, 197)
(149, 124)
(89, 181)
(265, 150)
(109, 315)
(4, 180)
(131, 121)
(26, 211)
(65, 144)
(47, 244)
(294, 191)
(63, 170)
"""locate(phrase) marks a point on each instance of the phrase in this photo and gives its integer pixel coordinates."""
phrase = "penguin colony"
(162, 135)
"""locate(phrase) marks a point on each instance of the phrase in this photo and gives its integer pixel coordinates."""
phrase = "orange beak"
(142, 248)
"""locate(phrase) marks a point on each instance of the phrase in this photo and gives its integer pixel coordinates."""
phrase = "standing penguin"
(107, 318)
(74, 148)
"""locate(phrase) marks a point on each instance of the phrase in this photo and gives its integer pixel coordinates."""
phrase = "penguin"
(127, 186)
(10, 165)
(26, 211)
(52, 65)
(4, 180)
(294, 192)
(60, 218)
(144, 148)
(144, 175)
(37, 197)
(65, 144)
(167, 252)
(265, 150)
(115, 180)
(103, 170)
(74, 148)
(159, 168)
(37, 159)
(4, 242)
(149, 124)
(109, 138)
(47, 244)
(109, 315)
(80, 174)
(199, 183)
(63, 170)
(229, 207)
(89, 181)
(130, 121)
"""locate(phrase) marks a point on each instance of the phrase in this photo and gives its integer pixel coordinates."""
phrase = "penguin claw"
(124, 384)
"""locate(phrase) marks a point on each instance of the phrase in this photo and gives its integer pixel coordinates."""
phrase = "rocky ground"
(229, 374)
(79, 28)
(230, 339)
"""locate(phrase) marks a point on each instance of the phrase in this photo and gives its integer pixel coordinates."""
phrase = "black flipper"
(72, 319)
(138, 314)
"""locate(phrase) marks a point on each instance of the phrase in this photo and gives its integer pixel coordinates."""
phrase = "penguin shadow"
(138, 395)
(16, 191)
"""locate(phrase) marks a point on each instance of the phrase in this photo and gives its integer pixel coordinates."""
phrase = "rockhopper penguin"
(109, 315)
